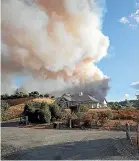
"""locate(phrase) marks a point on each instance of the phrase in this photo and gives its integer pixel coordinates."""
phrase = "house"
(75, 100)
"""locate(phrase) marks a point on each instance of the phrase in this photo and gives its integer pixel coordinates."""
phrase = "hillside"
(17, 106)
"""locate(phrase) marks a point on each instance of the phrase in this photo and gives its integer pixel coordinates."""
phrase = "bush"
(102, 118)
(80, 115)
(44, 115)
(88, 120)
(4, 108)
(4, 97)
(55, 110)
(84, 108)
(29, 110)
(37, 112)
(118, 124)
(95, 118)
(110, 114)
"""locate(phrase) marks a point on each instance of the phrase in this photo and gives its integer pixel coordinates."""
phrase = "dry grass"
(15, 111)
(119, 114)
(17, 106)
(47, 100)
(13, 102)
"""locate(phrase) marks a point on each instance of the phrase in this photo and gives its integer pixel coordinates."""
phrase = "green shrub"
(80, 115)
(55, 110)
(29, 110)
(44, 115)
(4, 97)
(110, 114)
(37, 112)
(118, 124)
(84, 108)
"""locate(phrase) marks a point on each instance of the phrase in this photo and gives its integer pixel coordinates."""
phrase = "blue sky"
(122, 62)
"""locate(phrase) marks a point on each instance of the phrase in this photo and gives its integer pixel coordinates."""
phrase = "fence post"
(127, 131)
(138, 135)
(128, 135)
(70, 124)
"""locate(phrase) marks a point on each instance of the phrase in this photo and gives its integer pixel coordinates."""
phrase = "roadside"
(28, 143)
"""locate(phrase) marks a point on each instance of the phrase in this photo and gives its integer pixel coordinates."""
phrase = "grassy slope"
(18, 106)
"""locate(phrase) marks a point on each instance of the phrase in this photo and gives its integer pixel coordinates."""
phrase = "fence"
(133, 139)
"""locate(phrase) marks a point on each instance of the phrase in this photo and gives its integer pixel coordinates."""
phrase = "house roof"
(80, 98)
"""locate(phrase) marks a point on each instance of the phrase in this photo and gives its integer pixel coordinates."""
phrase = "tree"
(55, 110)
(34, 94)
(4, 97)
(46, 95)
(41, 95)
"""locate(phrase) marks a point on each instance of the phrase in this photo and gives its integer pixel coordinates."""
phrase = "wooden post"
(127, 131)
(138, 135)
(128, 136)
(70, 124)
(26, 117)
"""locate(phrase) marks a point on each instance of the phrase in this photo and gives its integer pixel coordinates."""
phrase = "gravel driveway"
(46, 144)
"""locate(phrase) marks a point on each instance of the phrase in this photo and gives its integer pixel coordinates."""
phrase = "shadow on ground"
(91, 149)
(10, 124)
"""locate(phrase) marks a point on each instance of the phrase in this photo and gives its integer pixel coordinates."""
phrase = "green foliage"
(37, 112)
(118, 124)
(110, 114)
(44, 115)
(52, 96)
(55, 110)
(46, 95)
(41, 95)
(83, 108)
(4, 97)
(80, 115)
(34, 94)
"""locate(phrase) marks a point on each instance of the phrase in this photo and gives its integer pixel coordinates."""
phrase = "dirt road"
(45, 144)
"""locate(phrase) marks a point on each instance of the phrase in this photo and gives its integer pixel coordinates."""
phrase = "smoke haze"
(54, 45)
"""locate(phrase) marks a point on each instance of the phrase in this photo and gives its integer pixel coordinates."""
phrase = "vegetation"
(55, 111)
(127, 104)
(83, 108)
(46, 95)
(4, 108)
(18, 94)
(110, 114)
(41, 112)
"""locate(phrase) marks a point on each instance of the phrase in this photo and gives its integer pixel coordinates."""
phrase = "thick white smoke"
(54, 45)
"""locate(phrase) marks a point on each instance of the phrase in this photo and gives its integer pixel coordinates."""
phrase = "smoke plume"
(54, 44)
